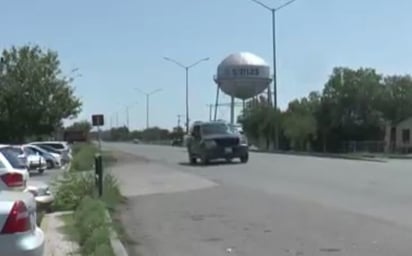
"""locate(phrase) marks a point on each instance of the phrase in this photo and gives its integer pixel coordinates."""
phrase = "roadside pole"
(99, 138)
(98, 121)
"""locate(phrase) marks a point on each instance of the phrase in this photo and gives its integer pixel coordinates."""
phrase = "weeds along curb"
(117, 245)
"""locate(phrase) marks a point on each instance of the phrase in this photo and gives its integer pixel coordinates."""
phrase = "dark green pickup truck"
(215, 140)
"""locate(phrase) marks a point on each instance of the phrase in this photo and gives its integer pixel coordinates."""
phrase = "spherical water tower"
(243, 76)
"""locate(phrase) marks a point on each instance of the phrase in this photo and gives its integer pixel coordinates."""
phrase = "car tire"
(41, 171)
(204, 160)
(50, 164)
(192, 159)
(244, 159)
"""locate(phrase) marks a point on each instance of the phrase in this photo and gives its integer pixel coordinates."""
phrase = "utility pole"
(186, 68)
(275, 92)
(178, 120)
(127, 117)
(117, 120)
(147, 102)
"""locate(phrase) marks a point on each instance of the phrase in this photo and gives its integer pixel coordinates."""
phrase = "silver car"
(19, 234)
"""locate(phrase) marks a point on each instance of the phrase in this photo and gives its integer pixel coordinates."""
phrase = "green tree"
(259, 121)
(34, 94)
(397, 100)
(299, 121)
(84, 126)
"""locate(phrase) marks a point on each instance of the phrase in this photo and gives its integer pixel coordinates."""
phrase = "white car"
(53, 160)
(13, 173)
(61, 146)
(34, 161)
(19, 233)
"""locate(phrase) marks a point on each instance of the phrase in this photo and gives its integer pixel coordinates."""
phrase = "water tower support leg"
(232, 110)
(217, 102)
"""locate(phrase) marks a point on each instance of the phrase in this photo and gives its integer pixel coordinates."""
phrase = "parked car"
(33, 160)
(13, 171)
(63, 156)
(53, 160)
(19, 233)
(214, 140)
(59, 145)
(41, 192)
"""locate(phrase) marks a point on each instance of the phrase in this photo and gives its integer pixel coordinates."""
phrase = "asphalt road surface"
(274, 205)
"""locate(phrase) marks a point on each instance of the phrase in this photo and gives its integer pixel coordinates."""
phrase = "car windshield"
(49, 148)
(216, 129)
(12, 156)
(29, 151)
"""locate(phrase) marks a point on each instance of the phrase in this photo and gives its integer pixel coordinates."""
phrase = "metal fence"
(363, 147)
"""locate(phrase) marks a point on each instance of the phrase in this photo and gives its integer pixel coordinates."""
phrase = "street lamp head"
(155, 91)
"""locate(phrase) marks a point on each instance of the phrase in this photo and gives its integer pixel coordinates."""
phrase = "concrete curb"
(117, 245)
(54, 240)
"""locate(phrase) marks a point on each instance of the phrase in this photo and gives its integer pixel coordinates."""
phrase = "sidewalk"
(57, 244)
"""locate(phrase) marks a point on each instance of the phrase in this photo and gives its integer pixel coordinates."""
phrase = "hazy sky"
(119, 45)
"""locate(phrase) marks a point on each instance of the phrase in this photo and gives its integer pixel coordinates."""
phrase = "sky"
(118, 46)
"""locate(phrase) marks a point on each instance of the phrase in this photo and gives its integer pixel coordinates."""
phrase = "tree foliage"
(34, 94)
(355, 105)
(84, 126)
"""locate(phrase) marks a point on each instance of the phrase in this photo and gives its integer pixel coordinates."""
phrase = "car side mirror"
(21, 156)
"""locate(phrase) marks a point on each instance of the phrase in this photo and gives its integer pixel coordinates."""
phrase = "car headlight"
(243, 140)
(210, 143)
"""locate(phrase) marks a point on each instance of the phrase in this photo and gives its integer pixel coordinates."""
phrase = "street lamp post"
(147, 102)
(186, 68)
(275, 94)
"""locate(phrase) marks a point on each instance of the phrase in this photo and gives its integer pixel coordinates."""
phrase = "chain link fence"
(351, 147)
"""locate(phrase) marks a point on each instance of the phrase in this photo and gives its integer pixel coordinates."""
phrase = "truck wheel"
(192, 159)
(244, 159)
(41, 171)
(204, 160)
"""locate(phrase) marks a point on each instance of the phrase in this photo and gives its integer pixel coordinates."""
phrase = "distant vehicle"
(176, 142)
(215, 140)
(136, 141)
(75, 136)
(19, 233)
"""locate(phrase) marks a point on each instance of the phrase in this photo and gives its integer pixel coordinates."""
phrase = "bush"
(83, 157)
(76, 191)
(92, 227)
(71, 189)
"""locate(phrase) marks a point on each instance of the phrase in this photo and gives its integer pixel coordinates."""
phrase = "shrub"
(92, 227)
(83, 157)
(71, 189)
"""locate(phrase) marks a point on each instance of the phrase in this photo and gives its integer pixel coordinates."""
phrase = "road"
(274, 205)
(47, 177)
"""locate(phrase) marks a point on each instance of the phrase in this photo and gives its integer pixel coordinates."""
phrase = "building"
(398, 137)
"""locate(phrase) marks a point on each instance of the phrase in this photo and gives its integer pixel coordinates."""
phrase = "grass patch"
(83, 157)
(76, 191)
